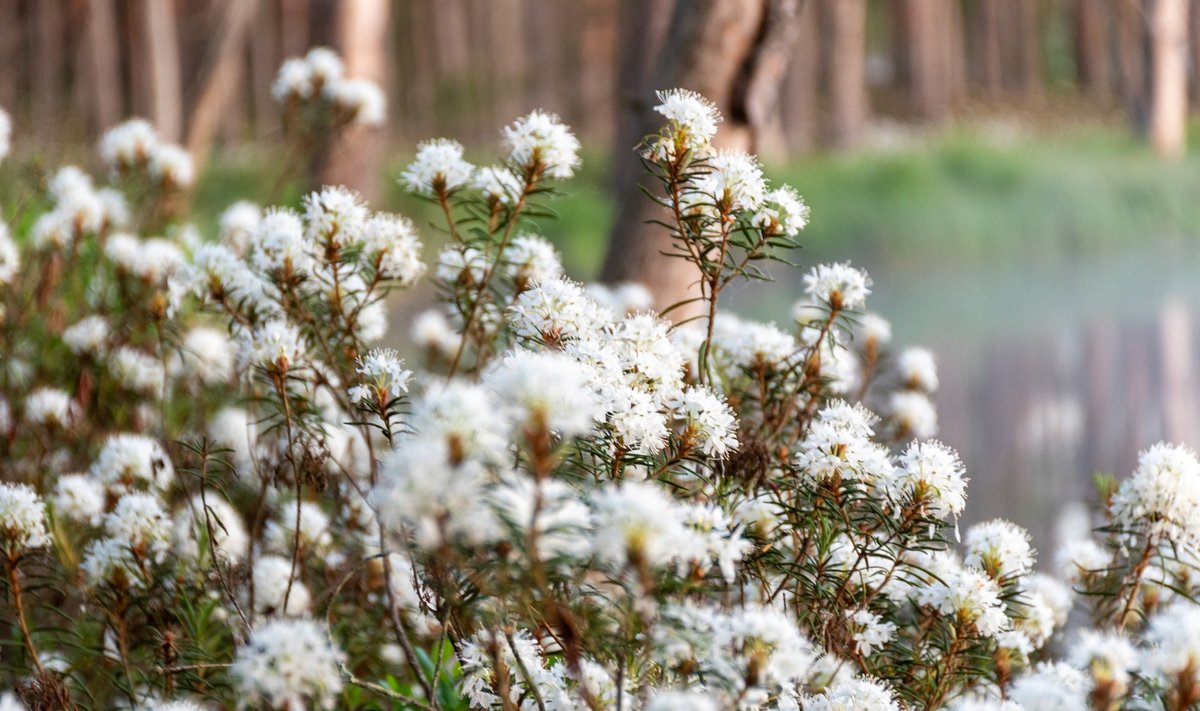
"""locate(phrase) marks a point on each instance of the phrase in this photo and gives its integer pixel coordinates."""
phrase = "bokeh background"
(1013, 173)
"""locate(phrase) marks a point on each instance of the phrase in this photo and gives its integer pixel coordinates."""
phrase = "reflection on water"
(1050, 372)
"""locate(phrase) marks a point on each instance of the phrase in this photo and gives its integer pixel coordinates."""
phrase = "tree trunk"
(355, 159)
(223, 77)
(47, 80)
(266, 55)
(11, 56)
(845, 29)
(924, 55)
(1131, 61)
(104, 65)
(724, 49)
(1168, 99)
(162, 44)
(1090, 21)
(798, 105)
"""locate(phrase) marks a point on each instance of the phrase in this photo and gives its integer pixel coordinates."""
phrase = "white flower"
(857, 694)
(551, 507)
(917, 369)
(109, 560)
(218, 524)
(50, 407)
(1079, 558)
(637, 418)
(361, 99)
(541, 139)
(547, 389)
(457, 264)
(128, 460)
(79, 498)
(1052, 687)
(1162, 497)
(530, 258)
(10, 256)
(137, 370)
(334, 217)
(734, 181)
(556, 310)
(426, 487)
(1000, 548)
(683, 700)
(432, 330)
(466, 417)
(438, 167)
(710, 419)
(315, 533)
(840, 285)
(128, 145)
(874, 329)
(272, 574)
(498, 183)
(931, 476)
(384, 369)
(139, 521)
(913, 414)
(22, 520)
(207, 355)
(969, 596)
(324, 64)
(238, 224)
(638, 523)
(691, 116)
(783, 212)
(1107, 656)
(1173, 643)
(870, 632)
(279, 244)
(88, 335)
(393, 242)
(293, 80)
(172, 165)
(272, 345)
(287, 664)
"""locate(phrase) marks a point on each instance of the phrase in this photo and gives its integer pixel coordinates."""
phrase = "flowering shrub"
(221, 492)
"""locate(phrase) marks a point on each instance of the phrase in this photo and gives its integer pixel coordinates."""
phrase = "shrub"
(224, 493)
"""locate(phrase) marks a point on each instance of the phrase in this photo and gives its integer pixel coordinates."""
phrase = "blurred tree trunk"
(1024, 47)
(1090, 21)
(162, 63)
(596, 81)
(845, 29)
(266, 55)
(734, 53)
(104, 63)
(642, 30)
(294, 27)
(798, 104)
(925, 55)
(222, 78)
(1133, 67)
(1194, 48)
(356, 159)
(1168, 99)
(10, 56)
(984, 20)
(48, 64)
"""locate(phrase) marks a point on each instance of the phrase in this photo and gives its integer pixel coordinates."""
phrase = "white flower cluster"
(134, 148)
(22, 520)
(287, 664)
(318, 76)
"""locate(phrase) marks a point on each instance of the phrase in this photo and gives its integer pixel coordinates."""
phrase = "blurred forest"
(462, 67)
